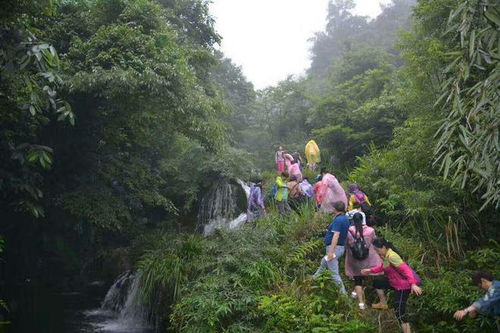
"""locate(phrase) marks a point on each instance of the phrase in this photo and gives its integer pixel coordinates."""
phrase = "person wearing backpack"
(398, 276)
(356, 196)
(360, 254)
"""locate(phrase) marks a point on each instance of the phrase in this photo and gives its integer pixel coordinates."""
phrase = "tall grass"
(256, 279)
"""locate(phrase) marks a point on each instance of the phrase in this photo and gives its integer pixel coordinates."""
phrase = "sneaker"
(354, 295)
(362, 306)
(380, 306)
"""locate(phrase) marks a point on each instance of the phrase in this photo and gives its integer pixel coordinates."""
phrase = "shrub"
(311, 307)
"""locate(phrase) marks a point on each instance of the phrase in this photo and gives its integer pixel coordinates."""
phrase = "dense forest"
(117, 116)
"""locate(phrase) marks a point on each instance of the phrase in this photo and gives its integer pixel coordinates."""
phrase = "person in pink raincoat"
(293, 167)
(332, 192)
(354, 266)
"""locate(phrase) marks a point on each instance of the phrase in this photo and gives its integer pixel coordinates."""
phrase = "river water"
(116, 308)
(39, 309)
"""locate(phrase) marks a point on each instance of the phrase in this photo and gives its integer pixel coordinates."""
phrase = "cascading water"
(224, 206)
(121, 310)
(115, 297)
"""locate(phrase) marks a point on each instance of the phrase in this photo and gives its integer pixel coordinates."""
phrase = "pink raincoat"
(293, 168)
(354, 266)
(332, 192)
(400, 277)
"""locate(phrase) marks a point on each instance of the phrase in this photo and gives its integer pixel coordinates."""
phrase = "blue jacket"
(490, 303)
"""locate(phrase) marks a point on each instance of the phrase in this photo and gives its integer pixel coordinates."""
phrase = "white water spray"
(121, 310)
(223, 207)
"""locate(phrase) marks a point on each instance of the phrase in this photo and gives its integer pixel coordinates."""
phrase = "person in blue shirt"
(488, 305)
(335, 240)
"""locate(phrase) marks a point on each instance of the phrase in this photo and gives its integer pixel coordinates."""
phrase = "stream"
(39, 309)
(116, 308)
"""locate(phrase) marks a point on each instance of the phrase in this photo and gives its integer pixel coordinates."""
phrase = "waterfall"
(115, 297)
(245, 187)
(224, 206)
(121, 310)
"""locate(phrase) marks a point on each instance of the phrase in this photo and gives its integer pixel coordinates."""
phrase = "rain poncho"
(318, 191)
(307, 189)
(313, 154)
(356, 196)
(354, 266)
(332, 192)
(255, 203)
(282, 191)
(293, 168)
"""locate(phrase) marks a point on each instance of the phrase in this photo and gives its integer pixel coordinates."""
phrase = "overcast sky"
(268, 38)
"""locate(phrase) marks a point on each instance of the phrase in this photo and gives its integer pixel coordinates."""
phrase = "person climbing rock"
(335, 240)
(398, 276)
(489, 304)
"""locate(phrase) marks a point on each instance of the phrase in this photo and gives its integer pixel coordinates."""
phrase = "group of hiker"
(352, 234)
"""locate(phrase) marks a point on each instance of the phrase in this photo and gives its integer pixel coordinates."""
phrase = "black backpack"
(359, 249)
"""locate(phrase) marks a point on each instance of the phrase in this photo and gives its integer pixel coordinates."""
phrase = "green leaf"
(472, 43)
(493, 16)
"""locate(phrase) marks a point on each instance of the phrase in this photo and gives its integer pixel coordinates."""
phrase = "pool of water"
(38, 309)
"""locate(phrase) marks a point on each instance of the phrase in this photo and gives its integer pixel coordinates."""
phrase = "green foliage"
(468, 147)
(165, 268)
(157, 114)
(234, 268)
(143, 110)
(450, 289)
(97, 207)
(409, 192)
(30, 80)
(316, 307)
(220, 283)
(148, 127)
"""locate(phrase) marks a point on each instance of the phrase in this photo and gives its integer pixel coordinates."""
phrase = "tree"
(29, 82)
(469, 142)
